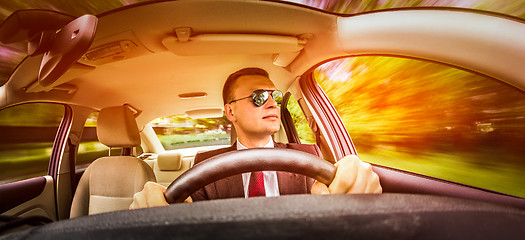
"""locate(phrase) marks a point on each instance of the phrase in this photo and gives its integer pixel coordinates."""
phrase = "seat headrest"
(116, 127)
(169, 161)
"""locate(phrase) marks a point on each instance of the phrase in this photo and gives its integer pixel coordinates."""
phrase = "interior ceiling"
(152, 81)
(155, 79)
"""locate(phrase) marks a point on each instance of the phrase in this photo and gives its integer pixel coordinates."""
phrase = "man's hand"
(352, 176)
(151, 196)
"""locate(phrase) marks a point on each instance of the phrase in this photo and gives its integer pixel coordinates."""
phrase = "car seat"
(109, 183)
(169, 166)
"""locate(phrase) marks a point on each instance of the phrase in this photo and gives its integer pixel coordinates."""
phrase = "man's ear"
(228, 110)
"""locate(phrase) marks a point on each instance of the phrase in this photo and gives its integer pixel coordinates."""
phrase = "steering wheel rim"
(248, 160)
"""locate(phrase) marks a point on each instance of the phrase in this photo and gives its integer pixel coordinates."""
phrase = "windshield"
(11, 55)
(182, 131)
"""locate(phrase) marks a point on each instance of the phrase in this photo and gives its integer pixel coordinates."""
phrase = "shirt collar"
(240, 146)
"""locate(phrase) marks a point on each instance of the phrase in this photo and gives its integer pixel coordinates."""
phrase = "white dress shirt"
(271, 186)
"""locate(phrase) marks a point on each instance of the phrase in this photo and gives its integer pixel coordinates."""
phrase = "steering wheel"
(248, 160)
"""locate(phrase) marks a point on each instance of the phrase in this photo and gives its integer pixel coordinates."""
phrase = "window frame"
(326, 117)
(60, 142)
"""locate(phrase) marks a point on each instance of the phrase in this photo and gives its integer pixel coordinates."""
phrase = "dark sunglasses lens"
(277, 96)
(260, 97)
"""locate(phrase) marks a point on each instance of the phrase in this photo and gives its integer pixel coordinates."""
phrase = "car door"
(32, 136)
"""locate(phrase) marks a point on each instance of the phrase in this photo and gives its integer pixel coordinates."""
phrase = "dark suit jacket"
(232, 187)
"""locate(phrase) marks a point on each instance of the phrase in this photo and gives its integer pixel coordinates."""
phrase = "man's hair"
(227, 90)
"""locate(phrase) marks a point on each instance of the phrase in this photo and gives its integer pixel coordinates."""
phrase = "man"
(251, 104)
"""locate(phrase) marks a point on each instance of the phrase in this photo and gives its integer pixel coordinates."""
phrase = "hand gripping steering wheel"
(249, 160)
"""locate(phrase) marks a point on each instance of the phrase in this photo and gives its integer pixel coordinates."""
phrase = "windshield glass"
(508, 7)
(11, 55)
(182, 131)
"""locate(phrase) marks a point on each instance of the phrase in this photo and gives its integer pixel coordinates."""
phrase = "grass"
(497, 176)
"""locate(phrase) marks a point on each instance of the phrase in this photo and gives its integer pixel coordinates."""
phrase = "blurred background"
(431, 119)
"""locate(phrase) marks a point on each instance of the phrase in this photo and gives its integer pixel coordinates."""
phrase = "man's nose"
(271, 103)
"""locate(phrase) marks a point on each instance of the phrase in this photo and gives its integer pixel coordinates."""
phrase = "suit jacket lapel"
(289, 183)
(234, 187)
(283, 177)
(231, 186)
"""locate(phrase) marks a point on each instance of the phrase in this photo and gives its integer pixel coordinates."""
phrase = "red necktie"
(256, 187)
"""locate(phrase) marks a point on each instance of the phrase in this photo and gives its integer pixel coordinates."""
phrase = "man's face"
(249, 119)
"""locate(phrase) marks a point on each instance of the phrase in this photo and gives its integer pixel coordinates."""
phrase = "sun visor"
(229, 44)
(69, 44)
(25, 24)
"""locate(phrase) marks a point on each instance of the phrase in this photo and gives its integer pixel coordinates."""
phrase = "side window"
(28, 132)
(90, 148)
(181, 131)
(301, 124)
(431, 119)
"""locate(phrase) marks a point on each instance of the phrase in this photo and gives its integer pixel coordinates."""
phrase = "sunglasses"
(260, 97)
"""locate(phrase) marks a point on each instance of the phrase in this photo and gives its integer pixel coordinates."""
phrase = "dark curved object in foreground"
(386, 216)
(249, 160)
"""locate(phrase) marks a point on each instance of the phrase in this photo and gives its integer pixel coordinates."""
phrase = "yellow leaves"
(396, 98)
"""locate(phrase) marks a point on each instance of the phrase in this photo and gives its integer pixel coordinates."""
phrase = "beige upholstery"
(150, 161)
(169, 161)
(169, 166)
(109, 183)
(116, 127)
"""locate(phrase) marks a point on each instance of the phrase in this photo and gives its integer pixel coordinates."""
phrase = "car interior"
(135, 64)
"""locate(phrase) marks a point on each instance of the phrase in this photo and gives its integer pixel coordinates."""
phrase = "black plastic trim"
(286, 119)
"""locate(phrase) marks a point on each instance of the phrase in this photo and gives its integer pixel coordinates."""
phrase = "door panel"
(29, 197)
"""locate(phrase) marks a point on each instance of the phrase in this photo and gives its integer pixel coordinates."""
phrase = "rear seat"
(169, 165)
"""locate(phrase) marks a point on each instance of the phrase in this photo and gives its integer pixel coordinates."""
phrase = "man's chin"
(272, 131)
